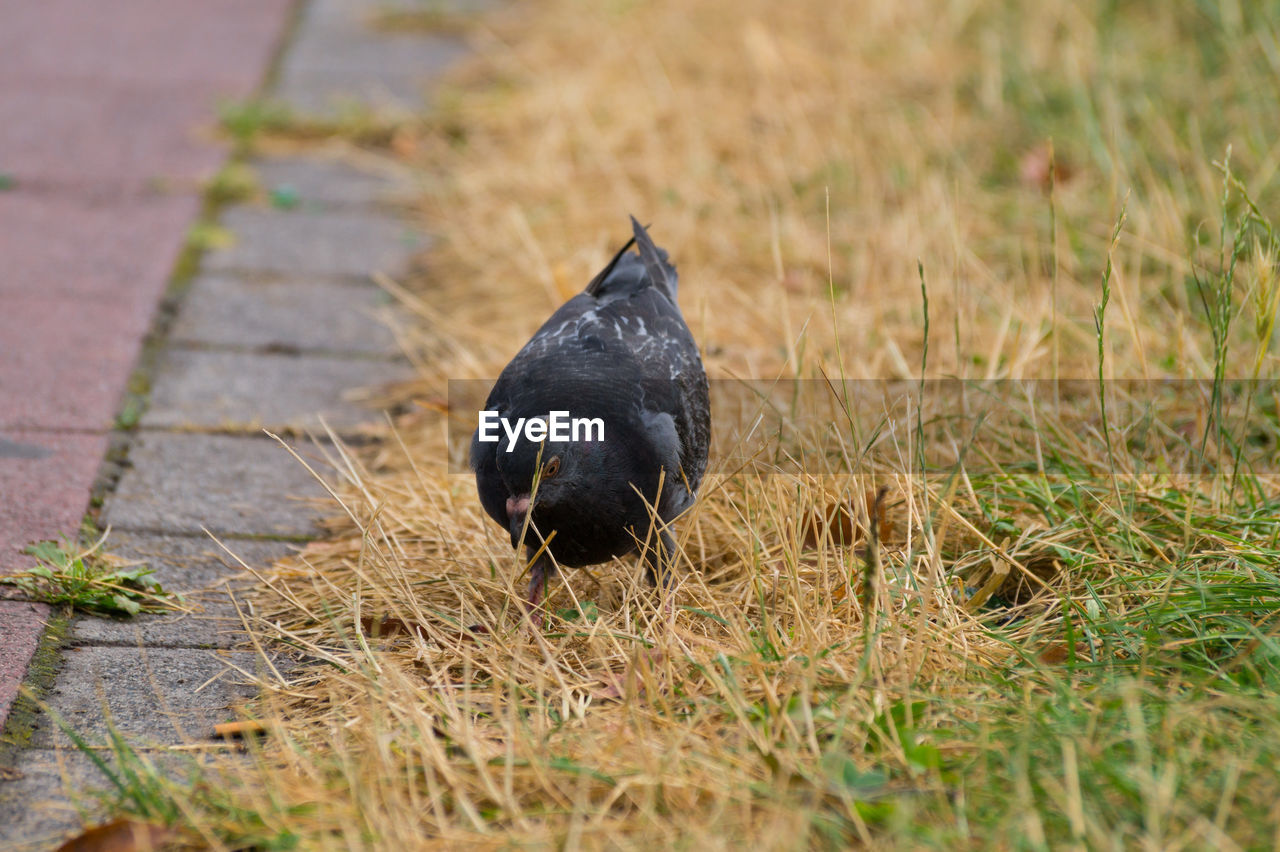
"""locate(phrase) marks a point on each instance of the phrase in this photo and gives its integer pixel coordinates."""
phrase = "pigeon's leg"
(538, 572)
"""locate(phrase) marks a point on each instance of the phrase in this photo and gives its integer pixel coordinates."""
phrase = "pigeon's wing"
(637, 316)
(661, 432)
(668, 402)
(676, 393)
(693, 424)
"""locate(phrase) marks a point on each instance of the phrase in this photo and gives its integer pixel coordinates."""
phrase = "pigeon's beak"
(517, 508)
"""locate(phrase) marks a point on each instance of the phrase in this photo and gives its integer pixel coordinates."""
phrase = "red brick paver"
(21, 626)
(141, 43)
(45, 478)
(107, 112)
(129, 139)
(101, 248)
(65, 360)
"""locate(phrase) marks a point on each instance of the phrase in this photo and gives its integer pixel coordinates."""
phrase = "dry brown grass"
(797, 160)
(780, 154)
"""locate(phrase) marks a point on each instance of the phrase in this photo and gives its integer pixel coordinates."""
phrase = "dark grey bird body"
(621, 352)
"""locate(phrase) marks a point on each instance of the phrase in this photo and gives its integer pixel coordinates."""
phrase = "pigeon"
(619, 360)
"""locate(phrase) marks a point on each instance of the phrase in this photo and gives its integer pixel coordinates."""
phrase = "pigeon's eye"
(551, 468)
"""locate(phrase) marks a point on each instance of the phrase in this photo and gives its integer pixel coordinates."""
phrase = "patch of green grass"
(204, 236)
(131, 411)
(249, 121)
(138, 787)
(66, 574)
(588, 613)
(40, 676)
(235, 182)
(434, 19)
(1116, 760)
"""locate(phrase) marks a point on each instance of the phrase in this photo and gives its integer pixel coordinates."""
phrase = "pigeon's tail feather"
(596, 283)
(660, 270)
(623, 273)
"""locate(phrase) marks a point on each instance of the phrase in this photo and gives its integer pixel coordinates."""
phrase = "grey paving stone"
(46, 796)
(153, 696)
(337, 96)
(347, 47)
(336, 54)
(198, 569)
(210, 624)
(286, 315)
(348, 14)
(342, 62)
(315, 243)
(229, 484)
(249, 390)
(195, 563)
(330, 182)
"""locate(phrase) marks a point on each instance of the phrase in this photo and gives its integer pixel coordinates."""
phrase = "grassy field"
(1063, 633)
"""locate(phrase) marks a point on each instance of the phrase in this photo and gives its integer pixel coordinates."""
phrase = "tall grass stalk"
(1099, 324)
(924, 367)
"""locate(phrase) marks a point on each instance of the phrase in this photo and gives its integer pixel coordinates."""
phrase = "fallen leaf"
(121, 835)
(837, 525)
(1058, 653)
(237, 730)
(404, 142)
(834, 526)
(1054, 654)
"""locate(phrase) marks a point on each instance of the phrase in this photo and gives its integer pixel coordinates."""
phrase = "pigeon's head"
(550, 472)
(567, 487)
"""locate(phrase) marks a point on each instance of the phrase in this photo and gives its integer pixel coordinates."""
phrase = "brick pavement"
(107, 116)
